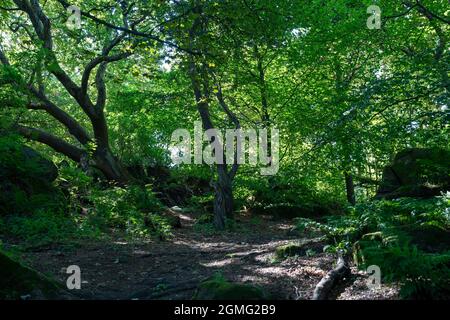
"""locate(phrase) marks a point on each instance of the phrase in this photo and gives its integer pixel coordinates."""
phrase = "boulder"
(297, 249)
(416, 173)
(20, 282)
(220, 289)
(26, 163)
(23, 173)
(429, 238)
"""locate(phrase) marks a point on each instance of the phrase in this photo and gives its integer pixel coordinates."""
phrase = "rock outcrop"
(416, 173)
(24, 172)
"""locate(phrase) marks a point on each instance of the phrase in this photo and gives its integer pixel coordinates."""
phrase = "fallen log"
(325, 285)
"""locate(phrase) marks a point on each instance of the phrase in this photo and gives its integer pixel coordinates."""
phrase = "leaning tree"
(28, 25)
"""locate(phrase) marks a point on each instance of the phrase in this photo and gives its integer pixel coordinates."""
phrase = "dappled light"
(224, 150)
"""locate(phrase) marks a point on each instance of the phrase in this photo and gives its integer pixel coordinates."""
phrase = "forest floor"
(172, 269)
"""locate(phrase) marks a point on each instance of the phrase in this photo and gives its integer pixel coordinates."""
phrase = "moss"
(17, 280)
(289, 250)
(220, 289)
(298, 249)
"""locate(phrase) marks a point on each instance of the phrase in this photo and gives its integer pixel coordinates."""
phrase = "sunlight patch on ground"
(312, 271)
(218, 264)
(270, 271)
(254, 279)
(284, 226)
(122, 243)
(141, 252)
(209, 245)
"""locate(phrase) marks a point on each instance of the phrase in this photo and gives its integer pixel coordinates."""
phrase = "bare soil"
(172, 269)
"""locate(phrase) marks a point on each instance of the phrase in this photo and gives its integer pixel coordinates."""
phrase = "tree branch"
(55, 143)
(70, 123)
(45, 104)
(148, 36)
(41, 25)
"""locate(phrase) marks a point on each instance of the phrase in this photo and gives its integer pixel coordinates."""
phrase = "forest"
(224, 150)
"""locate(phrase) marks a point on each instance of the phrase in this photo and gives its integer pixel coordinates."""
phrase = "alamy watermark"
(374, 21)
(374, 278)
(231, 150)
(74, 20)
(74, 280)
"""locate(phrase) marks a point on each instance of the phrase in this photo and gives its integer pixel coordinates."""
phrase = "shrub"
(134, 209)
(41, 228)
(409, 239)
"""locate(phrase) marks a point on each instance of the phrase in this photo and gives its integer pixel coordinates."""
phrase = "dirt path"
(172, 269)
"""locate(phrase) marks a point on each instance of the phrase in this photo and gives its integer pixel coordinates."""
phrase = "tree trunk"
(103, 159)
(350, 188)
(223, 200)
(110, 166)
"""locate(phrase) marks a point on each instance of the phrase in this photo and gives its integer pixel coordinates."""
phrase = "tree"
(42, 40)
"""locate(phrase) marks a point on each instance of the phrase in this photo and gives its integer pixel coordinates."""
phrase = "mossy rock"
(289, 250)
(296, 249)
(220, 289)
(18, 281)
(416, 172)
(24, 174)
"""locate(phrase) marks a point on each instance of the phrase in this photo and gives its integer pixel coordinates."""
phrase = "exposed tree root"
(325, 285)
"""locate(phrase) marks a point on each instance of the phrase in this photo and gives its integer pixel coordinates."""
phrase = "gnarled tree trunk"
(102, 157)
(200, 75)
(223, 199)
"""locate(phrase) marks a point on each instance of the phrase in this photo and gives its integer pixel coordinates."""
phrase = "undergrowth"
(85, 210)
(409, 239)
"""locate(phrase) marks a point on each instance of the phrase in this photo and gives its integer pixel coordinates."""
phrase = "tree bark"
(323, 288)
(55, 143)
(102, 157)
(110, 166)
(198, 72)
(223, 200)
(350, 188)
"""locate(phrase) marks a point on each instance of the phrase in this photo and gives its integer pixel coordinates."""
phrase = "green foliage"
(205, 219)
(202, 205)
(422, 275)
(76, 184)
(285, 196)
(44, 228)
(134, 209)
(345, 99)
(205, 225)
(390, 234)
(157, 225)
(206, 228)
